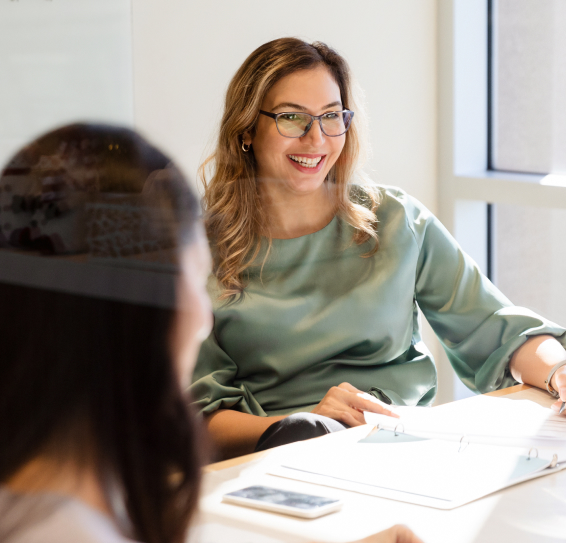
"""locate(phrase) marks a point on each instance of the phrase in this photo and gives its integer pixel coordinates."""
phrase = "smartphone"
(283, 501)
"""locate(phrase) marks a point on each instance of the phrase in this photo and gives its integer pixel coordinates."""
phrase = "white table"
(531, 512)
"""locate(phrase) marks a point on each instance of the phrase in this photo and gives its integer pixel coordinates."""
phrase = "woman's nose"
(314, 136)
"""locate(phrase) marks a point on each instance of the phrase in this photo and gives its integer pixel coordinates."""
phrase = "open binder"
(416, 459)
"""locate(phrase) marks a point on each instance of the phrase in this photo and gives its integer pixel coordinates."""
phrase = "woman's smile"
(307, 163)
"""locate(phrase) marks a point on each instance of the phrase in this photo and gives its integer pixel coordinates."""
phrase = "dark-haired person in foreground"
(96, 440)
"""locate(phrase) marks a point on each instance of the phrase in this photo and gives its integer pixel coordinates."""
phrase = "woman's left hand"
(558, 383)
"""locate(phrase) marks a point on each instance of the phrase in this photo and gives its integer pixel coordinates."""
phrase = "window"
(528, 117)
(501, 142)
(528, 127)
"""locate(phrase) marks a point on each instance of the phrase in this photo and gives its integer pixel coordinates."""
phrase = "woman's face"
(312, 91)
(194, 318)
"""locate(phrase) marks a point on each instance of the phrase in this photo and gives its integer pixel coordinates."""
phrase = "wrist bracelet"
(551, 391)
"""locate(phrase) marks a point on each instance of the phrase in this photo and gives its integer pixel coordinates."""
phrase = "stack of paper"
(482, 419)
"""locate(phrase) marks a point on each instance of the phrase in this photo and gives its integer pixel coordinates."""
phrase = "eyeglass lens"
(295, 125)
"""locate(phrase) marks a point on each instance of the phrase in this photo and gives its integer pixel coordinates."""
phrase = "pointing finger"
(357, 401)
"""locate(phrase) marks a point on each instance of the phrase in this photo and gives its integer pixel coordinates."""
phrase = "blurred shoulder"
(51, 518)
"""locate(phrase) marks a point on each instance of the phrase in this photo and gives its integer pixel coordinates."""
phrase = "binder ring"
(529, 456)
(466, 444)
(395, 430)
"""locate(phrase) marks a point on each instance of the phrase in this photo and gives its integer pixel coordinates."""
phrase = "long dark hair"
(84, 377)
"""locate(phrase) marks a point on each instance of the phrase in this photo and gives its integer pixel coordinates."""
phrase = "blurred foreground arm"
(395, 534)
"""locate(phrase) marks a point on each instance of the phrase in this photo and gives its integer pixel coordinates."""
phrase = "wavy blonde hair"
(234, 217)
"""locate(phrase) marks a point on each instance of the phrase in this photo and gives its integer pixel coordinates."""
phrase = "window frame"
(463, 114)
(466, 180)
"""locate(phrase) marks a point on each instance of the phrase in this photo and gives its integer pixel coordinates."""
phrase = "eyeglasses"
(296, 125)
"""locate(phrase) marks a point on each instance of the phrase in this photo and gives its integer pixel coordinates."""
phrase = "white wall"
(62, 62)
(186, 52)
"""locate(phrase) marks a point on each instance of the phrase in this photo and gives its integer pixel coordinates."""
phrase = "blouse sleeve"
(477, 325)
(214, 385)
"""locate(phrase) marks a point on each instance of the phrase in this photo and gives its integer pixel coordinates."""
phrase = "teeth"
(306, 162)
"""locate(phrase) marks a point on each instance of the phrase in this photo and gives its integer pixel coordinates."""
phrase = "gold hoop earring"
(244, 148)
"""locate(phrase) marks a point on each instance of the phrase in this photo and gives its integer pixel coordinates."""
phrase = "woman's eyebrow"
(332, 104)
(289, 105)
(298, 107)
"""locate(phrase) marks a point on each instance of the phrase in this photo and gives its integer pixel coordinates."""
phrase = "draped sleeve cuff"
(215, 385)
(210, 394)
(495, 374)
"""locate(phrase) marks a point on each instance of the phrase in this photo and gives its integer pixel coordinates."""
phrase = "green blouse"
(320, 314)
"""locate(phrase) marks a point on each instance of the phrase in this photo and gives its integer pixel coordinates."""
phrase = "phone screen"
(282, 497)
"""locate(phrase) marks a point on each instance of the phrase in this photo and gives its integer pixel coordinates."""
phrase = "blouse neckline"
(305, 236)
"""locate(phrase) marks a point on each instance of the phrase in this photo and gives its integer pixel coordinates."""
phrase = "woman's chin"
(304, 183)
(301, 184)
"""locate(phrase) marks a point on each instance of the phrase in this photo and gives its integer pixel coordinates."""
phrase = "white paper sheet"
(442, 472)
(503, 421)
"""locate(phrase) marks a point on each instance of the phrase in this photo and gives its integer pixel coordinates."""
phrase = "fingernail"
(554, 407)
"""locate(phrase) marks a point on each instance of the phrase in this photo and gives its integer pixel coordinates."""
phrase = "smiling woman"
(296, 165)
(318, 279)
(246, 189)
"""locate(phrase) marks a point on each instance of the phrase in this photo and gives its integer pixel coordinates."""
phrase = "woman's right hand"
(345, 403)
(395, 534)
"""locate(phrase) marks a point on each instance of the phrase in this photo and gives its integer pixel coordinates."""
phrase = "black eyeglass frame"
(275, 117)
